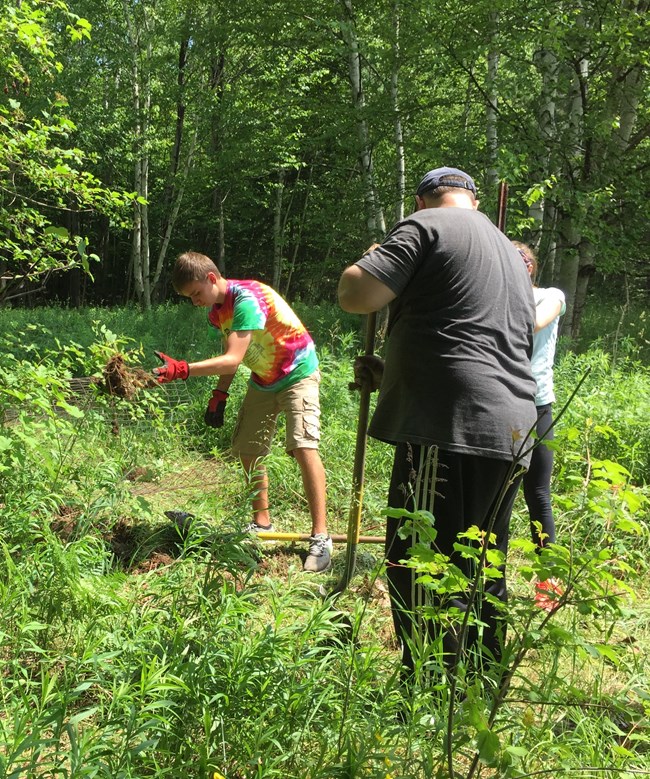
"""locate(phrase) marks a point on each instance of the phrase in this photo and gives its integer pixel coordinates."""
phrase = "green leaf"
(82, 715)
(488, 746)
(60, 232)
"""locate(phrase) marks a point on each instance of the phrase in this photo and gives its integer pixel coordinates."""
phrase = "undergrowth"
(132, 646)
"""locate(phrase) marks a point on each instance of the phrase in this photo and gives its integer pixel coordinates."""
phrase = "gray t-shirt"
(460, 336)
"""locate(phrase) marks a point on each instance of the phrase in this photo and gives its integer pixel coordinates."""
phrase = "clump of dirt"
(155, 560)
(123, 381)
(64, 525)
(140, 473)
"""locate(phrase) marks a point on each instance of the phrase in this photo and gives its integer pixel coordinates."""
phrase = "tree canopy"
(281, 139)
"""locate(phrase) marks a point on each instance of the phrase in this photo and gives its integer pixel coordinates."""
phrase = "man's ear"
(212, 277)
(475, 206)
(419, 203)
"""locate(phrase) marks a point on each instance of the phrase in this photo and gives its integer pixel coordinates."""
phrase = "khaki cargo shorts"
(259, 412)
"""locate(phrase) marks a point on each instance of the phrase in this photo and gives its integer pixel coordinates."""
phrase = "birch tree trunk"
(576, 170)
(175, 207)
(544, 229)
(375, 215)
(626, 90)
(547, 243)
(491, 132)
(144, 193)
(568, 241)
(400, 163)
(216, 85)
(141, 88)
(174, 188)
(298, 237)
(278, 230)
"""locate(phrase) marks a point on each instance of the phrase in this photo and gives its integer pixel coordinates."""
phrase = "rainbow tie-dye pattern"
(281, 352)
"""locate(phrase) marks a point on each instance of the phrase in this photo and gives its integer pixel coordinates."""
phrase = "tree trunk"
(172, 197)
(175, 207)
(492, 137)
(374, 212)
(400, 172)
(577, 172)
(568, 240)
(542, 232)
(548, 244)
(586, 269)
(141, 87)
(215, 84)
(278, 232)
(298, 237)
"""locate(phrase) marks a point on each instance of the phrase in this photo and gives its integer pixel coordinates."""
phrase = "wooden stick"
(358, 469)
(503, 206)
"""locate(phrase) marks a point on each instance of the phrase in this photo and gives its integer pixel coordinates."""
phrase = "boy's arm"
(225, 380)
(225, 366)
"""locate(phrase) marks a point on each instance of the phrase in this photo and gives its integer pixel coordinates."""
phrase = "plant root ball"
(124, 382)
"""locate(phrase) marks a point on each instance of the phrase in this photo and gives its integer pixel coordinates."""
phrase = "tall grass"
(130, 648)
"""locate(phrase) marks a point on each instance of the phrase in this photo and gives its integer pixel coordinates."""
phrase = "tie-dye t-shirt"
(281, 351)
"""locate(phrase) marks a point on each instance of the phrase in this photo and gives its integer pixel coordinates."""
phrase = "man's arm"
(360, 293)
(227, 363)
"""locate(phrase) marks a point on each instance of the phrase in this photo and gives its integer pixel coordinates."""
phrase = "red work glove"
(368, 372)
(216, 407)
(171, 370)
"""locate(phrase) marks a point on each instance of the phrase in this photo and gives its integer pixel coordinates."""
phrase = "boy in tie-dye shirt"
(261, 331)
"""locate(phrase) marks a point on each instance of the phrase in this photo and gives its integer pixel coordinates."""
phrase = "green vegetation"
(283, 140)
(131, 647)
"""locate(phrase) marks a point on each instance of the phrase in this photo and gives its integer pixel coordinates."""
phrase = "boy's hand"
(171, 370)
(368, 372)
(216, 407)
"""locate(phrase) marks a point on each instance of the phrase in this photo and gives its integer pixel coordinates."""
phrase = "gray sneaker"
(253, 529)
(319, 558)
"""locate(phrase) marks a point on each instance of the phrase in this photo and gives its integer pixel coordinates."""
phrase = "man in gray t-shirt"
(457, 394)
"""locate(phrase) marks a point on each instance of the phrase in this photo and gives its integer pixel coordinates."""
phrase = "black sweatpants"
(537, 481)
(460, 490)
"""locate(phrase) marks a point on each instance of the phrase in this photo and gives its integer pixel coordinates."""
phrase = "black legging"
(537, 481)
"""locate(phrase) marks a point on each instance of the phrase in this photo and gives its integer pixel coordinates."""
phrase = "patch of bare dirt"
(64, 524)
(136, 547)
(155, 560)
(140, 473)
(275, 560)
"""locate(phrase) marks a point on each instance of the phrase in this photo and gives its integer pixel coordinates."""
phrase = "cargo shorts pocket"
(311, 420)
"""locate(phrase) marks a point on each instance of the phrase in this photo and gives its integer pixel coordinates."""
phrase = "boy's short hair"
(192, 266)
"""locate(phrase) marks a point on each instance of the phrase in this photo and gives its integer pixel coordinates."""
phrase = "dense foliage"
(281, 139)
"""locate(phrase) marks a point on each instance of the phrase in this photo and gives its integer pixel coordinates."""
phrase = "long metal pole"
(358, 470)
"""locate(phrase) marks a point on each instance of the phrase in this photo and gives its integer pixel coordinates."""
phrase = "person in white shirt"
(549, 307)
